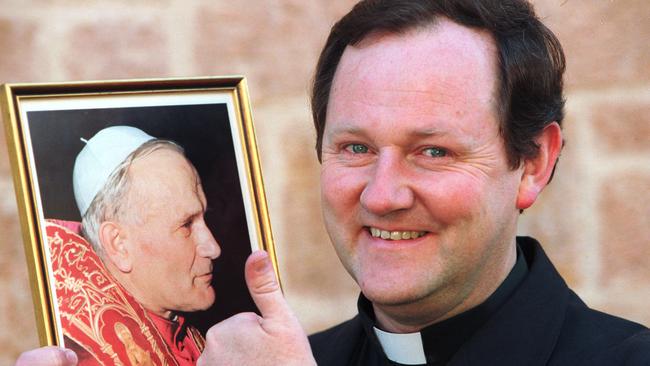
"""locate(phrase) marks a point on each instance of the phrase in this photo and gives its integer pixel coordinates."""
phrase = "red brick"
(275, 46)
(605, 41)
(625, 214)
(111, 49)
(19, 54)
(4, 151)
(16, 306)
(623, 127)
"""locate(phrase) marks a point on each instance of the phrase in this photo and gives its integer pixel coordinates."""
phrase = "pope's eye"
(435, 152)
(357, 148)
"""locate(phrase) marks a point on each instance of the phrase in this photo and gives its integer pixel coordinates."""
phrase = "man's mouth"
(395, 235)
(207, 277)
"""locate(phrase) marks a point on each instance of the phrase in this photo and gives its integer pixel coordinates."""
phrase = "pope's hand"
(47, 356)
(275, 338)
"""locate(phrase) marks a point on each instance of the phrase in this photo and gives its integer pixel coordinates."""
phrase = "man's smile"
(395, 235)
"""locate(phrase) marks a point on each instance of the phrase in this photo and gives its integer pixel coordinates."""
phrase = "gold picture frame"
(44, 123)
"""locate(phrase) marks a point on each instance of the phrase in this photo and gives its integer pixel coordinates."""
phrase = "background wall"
(593, 219)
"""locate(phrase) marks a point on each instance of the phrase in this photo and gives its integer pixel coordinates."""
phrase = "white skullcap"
(99, 158)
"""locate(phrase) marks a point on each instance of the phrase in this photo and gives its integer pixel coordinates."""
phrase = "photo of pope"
(142, 254)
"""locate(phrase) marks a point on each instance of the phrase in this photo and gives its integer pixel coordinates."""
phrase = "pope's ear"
(537, 170)
(113, 242)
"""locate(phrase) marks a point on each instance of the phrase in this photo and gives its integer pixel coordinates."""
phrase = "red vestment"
(101, 321)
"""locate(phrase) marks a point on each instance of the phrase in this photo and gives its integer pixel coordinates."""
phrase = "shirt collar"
(438, 342)
(407, 349)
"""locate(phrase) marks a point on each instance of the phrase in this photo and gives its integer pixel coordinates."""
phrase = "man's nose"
(207, 247)
(387, 189)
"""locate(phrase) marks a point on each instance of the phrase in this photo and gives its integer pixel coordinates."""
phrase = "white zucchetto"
(99, 158)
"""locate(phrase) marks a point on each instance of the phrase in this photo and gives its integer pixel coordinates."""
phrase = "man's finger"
(47, 356)
(264, 287)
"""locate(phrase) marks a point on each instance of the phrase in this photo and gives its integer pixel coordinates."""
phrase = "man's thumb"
(263, 286)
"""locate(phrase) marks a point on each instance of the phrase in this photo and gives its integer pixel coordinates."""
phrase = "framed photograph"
(140, 201)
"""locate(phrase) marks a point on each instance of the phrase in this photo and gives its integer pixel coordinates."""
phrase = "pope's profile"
(144, 252)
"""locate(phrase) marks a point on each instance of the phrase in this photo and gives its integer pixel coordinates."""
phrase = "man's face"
(170, 246)
(417, 194)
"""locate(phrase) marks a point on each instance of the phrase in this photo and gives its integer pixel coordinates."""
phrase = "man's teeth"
(396, 235)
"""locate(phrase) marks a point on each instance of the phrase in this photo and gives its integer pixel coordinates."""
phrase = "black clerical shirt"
(534, 321)
(443, 339)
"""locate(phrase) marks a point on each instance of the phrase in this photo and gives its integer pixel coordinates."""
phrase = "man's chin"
(393, 296)
(204, 302)
(208, 300)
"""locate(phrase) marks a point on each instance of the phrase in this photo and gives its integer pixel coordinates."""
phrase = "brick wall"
(593, 219)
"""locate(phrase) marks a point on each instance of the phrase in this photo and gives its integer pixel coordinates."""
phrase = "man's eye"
(435, 152)
(357, 148)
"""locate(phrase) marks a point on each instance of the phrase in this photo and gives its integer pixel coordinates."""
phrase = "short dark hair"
(530, 60)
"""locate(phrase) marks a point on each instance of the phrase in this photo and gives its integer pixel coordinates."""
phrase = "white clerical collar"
(406, 349)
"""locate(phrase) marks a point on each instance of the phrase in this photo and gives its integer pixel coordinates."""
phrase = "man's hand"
(275, 338)
(47, 356)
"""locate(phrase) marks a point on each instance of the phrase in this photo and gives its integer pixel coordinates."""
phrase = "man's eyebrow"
(428, 132)
(355, 130)
(347, 128)
(188, 216)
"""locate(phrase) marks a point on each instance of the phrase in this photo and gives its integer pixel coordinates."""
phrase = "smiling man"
(419, 198)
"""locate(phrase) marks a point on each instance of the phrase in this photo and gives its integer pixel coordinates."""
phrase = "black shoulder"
(631, 351)
(336, 345)
(596, 338)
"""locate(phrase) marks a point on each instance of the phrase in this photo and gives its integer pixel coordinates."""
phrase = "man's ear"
(113, 240)
(538, 169)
